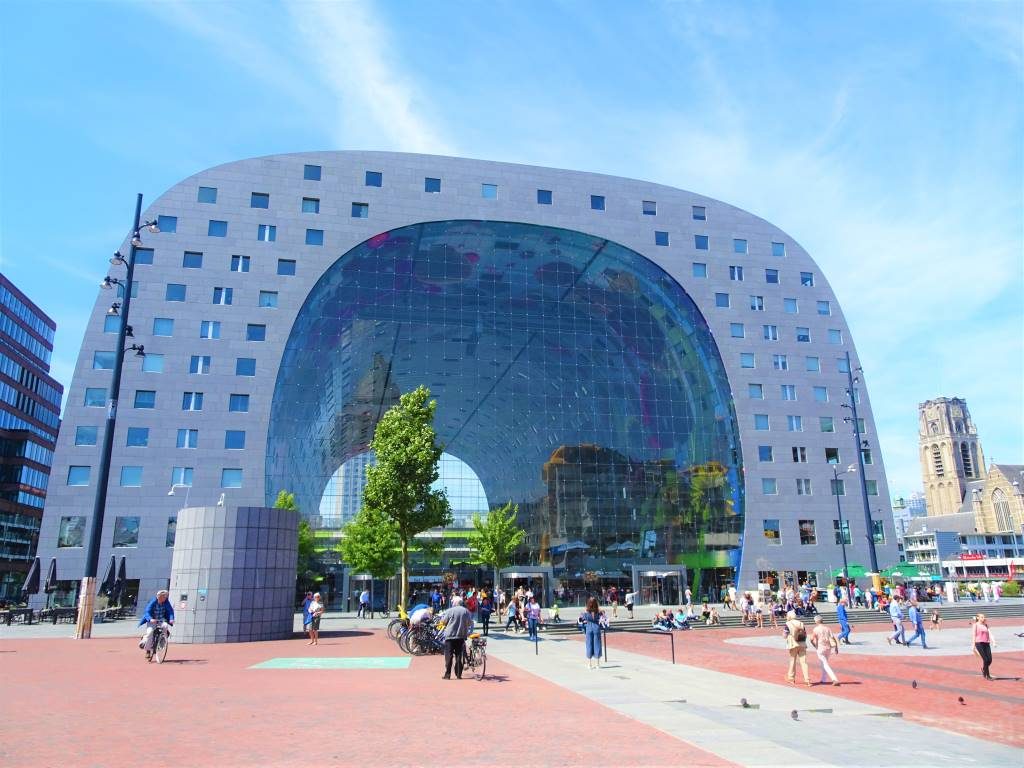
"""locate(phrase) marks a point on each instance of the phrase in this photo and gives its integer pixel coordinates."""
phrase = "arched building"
(652, 375)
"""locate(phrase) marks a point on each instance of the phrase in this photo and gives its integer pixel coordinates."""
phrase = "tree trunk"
(405, 572)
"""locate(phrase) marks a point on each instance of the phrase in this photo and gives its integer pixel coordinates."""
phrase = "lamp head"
(171, 492)
(109, 282)
(136, 240)
(153, 226)
(117, 258)
(115, 309)
(852, 468)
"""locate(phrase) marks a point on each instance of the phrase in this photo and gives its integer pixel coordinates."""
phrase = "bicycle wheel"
(160, 648)
(403, 641)
(481, 669)
(395, 628)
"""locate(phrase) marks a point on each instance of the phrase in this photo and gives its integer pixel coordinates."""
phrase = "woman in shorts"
(316, 610)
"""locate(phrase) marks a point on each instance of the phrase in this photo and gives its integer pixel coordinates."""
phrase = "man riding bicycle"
(159, 612)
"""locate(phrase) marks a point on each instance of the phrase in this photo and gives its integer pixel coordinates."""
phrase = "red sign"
(971, 556)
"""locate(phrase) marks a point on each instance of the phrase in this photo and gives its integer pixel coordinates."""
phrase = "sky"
(886, 138)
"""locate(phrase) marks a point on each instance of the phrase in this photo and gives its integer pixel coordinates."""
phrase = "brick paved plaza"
(86, 703)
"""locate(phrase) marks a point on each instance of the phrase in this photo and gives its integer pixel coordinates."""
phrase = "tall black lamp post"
(851, 394)
(87, 591)
(839, 511)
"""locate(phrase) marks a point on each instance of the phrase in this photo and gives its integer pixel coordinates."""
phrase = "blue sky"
(884, 137)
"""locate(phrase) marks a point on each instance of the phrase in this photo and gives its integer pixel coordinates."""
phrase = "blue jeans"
(593, 641)
(845, 634)
(919, 632)
(899, 633)
(531, 624)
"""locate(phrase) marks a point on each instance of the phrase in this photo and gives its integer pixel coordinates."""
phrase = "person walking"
(983, 642)
(513, 615)
(457, 624)
(486, 608)
(316, 610)
(613, 598)
(364, 604)
(825, 644)
(796, 643)
(306, 618)
(630, 600)
(844, 621)
(917, 620)
(532, 617)
(896, 616)
(592, 620)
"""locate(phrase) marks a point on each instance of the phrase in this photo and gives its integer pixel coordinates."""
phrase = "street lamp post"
(87, 590)
(852, 405)
(839, 511)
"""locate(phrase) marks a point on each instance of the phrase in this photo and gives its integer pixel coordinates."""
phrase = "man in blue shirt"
(844, 621)
(917, 619)
(159, 611)
(307, 620)
(896, 615)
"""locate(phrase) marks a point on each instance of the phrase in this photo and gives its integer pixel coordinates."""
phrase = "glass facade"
(573, 377)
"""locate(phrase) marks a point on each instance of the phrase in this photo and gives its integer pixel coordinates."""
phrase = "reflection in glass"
(126, 532)
(71, 532)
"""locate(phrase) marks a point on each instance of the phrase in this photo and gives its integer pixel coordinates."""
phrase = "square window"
(778, 249)
(795, 423)
(700, 269)
(102, 361)
(771, 532)
(135, 290)
(755, 391)
(832, 455)
(799, 454)
(780, 362)
(207, 195)
(489, 191)
(842, 365)
(223, 296)
(597, 202)
(111, 323)
(824, 308)
(803, 486)
(78, 475)
(771, 276)
(259, 200)
(807, 279)
(838, 487)
(143, 256)
(234, 439)
(808, 536)
(217, 228)
(181, 476)
(209, 329)
(650, 208)
(821, 394)
(736, 330)
(254, 332)
(878, 531)
(167, 223)
(174, 292)
(240, 263)
(700, 213)
(360, 210)
(700, 242)
(721, 299)
(137, 437)
(145, 398)
(86, 435)
(245, 366)
(374, 179)
(192, 260)
(835, 336)
(747, 360)
(543, 197)
(192, 401)
(736, 273)
(268, 299)
(739, 246)
(431, 185)
(314, 237)
(266, 233)
(286, 267)
(812, 364)
(757, 303)
(770, 332)
(152, 363)
(872, 487)
(199, 364)
(761, 422)
(311, 172)
(95, 397)
(765, 453)
(163, 326)
(788, 391)
(238, 403)
(827, 423)
(865, 454)
(769, 486)
(172, 530)
(803, 335)
(231, 478)
(188, 438)
(311, 205)
(789, 306)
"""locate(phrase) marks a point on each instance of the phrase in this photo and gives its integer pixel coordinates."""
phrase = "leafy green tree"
(307, 565)
(370, 545)
(285, 500)
(494, 540)
(398, 486)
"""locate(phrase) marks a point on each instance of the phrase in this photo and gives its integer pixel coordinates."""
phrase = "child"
(553, 614)
(936, 619)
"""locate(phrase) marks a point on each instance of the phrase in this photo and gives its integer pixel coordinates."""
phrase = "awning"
(31, 585)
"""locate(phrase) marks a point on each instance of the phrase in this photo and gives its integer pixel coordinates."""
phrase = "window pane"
(699, 269)
(489, 191)
(285, 267)
(650, 208)
(71, 532)
(661, 238)
(231, 478)
(207, 195)
(245, 366)
(234, 439)
(310, 205)
(238, 403)
(739, 246)
(217, 229)
(431, 185)
(543, 197)
(259, 200)
(597, 202)
(255, 332)
(78, 475)
(192, 260)
(314, 237)
(360, 210)
(167, 223)
(145, 398)
(699, 213)
(153, 363)
(175, 292)
(163, 326)
(131, 477)
(268, 299)
(311, 172)
(102, 361)
(778, 249)
(143, 256)
(700, 242)
(86, 435)
(95, 397)
(374, 178)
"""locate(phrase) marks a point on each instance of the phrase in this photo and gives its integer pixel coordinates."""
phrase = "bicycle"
(161, 636)
(476, 655)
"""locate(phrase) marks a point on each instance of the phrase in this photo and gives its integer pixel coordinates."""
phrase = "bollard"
(536, 641)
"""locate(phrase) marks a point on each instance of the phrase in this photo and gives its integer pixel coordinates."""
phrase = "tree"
(493, 540)
(370, 545)
(285, 500)
(306, 564)
(399, 485)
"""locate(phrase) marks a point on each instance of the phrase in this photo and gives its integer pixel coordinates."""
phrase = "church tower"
(950, 453)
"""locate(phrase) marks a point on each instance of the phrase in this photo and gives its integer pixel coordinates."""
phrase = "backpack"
(801, 634)
(471, 603)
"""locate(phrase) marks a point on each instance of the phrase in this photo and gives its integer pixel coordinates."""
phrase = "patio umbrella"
(853, 571)
(51, 577)
(107, 585)
(31, 586)
(119, 582)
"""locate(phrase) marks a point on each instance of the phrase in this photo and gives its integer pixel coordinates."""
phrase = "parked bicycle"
(476, 655)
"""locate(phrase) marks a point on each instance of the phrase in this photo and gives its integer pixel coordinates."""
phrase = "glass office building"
(653, 376)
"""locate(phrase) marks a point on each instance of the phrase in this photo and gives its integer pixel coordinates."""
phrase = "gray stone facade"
(233, 574)
(789, 300)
